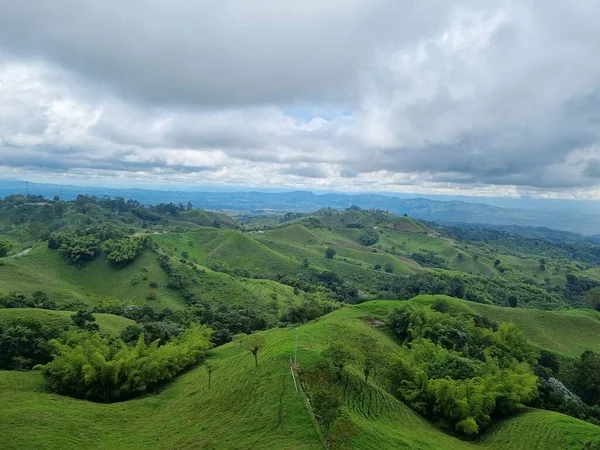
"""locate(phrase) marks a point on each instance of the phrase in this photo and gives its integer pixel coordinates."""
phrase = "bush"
(429, 259)
(151, 296)
(5, 246)
(124, 251)
(329, 253)
(25, 343)
(368, 237)
(78, 250)
(153, 284)
(88, 365)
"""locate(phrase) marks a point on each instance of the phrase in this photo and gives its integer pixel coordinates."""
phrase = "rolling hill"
(109, 323)
(256, 408)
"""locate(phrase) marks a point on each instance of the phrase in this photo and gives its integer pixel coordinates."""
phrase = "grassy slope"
(45, 269)
(245, 408)
(253, 408)
(567, 332)
(108, 322)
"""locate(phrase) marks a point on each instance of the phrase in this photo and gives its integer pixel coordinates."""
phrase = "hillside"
(568, 332)
(108, 323)
(45, 269)
(247, 407)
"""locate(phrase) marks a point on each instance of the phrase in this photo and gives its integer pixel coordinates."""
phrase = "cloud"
(469, 96)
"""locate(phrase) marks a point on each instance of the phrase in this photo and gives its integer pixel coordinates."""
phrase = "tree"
(253, 343)
(587, 381)
(22, 236)
(389, 268)
(368, 237)
(459, 256)
(373, 355)
(592, 299)
(36, 230)
(209, 367)
(475, 257)
(124, 251)
(25, 343)
(377, 267)
(5, 247)
(85, 320)
(329, 253)
(497, 263)
(513, 301)
(338, 355)
(549, 360)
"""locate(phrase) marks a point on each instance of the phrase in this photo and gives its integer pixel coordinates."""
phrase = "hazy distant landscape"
(575, 216)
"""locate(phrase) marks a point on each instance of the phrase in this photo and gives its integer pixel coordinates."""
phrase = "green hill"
(568, 332)
(45, 269)
(255, 408)
(108, 322)
(208, 218)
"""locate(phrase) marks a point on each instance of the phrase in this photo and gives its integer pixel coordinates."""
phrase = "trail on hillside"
(23, 253)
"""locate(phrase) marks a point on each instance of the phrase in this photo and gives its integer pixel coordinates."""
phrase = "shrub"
(5, 246)
(151, 296)
(368, 237)
(329, 253)
(25, 343)
(88, 365)
(124, 251)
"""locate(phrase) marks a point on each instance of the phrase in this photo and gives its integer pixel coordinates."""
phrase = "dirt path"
(23, 253)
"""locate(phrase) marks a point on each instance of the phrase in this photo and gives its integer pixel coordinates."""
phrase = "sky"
(486, 97)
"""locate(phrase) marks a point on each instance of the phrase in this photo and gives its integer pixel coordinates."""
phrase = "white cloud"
(473, 97)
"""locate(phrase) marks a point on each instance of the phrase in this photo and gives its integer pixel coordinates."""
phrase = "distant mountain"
(578, 221)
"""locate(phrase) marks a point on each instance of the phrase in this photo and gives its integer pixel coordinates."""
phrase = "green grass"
(568, 332)
(108, 322)
(592, 273)
(208, 218)
(44, 269)
(255, 408)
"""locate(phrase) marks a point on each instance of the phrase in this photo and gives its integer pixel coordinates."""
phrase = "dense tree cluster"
(91, 366)
(478, 288)
(315, 305)
(84, 244)
(368, 237)
(460, 369)
(25, 343)
(577, 288)
(38, 299)
(122, 252)
(429, 259)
